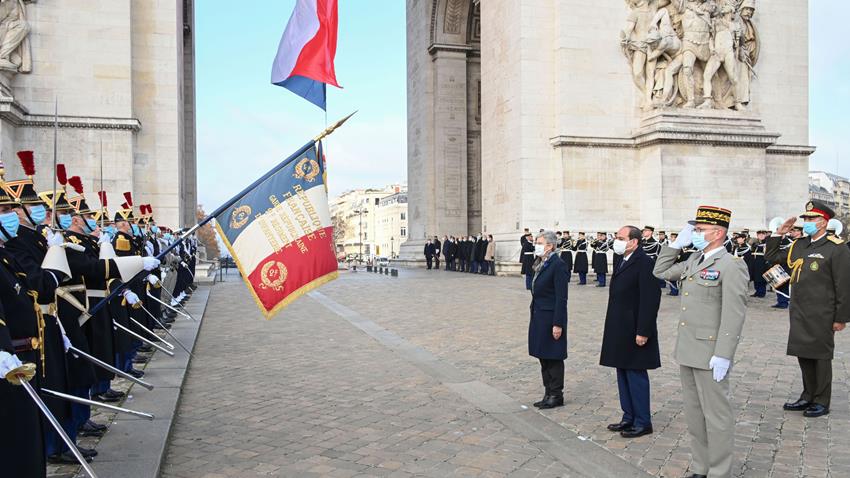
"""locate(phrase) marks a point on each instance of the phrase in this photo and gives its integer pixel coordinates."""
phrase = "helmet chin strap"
(6, 237)
(29, 218)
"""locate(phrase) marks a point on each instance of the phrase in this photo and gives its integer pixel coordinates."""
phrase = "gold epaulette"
(835, 240)
(122, 244)
(2, 322)
(74, 239)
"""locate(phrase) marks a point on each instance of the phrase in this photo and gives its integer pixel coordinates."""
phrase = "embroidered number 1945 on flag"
(280, 233)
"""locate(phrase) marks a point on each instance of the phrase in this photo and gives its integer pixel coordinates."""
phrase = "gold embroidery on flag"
(240, 216)
(273, 275)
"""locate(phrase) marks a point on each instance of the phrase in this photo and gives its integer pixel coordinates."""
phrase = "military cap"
(712, 215)
(126, 211)
(23, 190)
(815, 208)
(649, 228)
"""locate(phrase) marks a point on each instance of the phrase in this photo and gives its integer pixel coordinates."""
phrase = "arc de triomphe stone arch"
(585, 116)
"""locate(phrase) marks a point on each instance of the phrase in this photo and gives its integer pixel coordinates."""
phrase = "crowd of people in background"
(472, 254)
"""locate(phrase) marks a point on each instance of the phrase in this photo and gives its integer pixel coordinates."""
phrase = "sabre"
(55, 150)
(151, 333)
(20, 376)
(168, 332)
(172, 308)
(139, 337)
(79, 353)
(93, 403)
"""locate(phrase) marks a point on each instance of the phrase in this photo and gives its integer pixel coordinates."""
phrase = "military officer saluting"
(820, 302)
(714, 304)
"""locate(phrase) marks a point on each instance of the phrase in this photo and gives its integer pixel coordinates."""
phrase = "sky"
(246, 125)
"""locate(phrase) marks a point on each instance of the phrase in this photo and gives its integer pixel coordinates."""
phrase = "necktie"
(701, 258)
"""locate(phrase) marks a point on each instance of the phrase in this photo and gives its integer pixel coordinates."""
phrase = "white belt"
(95, 293)
(46, 309)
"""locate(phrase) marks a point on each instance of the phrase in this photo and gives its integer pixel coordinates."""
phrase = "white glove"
(8, 362)
(65, 342)
(131, 297)
(184, 264)
(104, 238)
(54, 238)
(150, 263)
(73, 247)
(720, 366)
(153, 279)
(685, 237)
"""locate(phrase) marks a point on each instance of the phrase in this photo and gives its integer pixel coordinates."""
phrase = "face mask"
(155, 229)
(91, 223)
(136, 230)
(10, 223)
(167, 236)
(810, 228)
(698, 239)
(110, 230)
(619, 246)
(64, 221)
(539, 250)
(38, 214)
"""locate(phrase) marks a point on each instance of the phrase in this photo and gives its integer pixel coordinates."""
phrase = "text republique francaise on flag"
(280, 233)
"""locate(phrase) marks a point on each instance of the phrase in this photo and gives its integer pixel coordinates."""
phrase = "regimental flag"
(305, 56)
(280, 233)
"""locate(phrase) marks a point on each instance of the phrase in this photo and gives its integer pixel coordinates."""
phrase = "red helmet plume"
(76, 183)
(102, 196)
(28, 162)
(61, 175)
(129, 198)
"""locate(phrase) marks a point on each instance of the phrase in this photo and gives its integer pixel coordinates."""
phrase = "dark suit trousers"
(553, 376)
(436, 262)
(634, 396)
(817, 380)
(428, 262)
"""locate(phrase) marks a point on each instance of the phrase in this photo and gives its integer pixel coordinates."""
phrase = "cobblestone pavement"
(308, 394)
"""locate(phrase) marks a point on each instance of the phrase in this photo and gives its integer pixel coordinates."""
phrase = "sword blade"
(108, 367)
(185, 314)
(139, 337)
(169, 332)
(94, 403)
(152, 334)
(56, 426)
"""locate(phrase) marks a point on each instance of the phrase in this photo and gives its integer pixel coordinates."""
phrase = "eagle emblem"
(273, 275)
(240, 216)
(306, 169)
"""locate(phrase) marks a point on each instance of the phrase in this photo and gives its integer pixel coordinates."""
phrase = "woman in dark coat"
(547, 329)
(630, 340)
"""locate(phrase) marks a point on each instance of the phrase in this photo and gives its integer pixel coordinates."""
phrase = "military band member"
(566, 247)
(758, 266)
(742, 249)
(783, 293)
(820, 302)
(601, 246)
(526, 257)
(651, 247)
(580, 258)
(662, 239)
(714, 305)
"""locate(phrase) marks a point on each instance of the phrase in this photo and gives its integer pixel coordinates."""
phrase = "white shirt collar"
(713, 252)
(626, 257)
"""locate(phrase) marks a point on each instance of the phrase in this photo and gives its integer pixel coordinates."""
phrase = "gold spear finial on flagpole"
(330, 129)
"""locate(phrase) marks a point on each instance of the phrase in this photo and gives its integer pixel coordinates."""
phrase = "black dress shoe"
(145, 349)
(816, 410)
(136, 373)
(95, 426)
(541, 402)
(91, 433)
(102, 397)
(797, 406)
(618, 427)
(552, 402)
(635, 432)
(66, 458)
(87, 452)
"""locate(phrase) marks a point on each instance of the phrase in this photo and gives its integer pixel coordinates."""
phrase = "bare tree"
(340, 228)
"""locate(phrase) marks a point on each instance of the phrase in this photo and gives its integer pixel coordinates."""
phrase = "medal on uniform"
(709, 274)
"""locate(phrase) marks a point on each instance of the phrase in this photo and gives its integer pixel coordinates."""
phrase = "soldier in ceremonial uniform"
(783, 297)
(526, 257)
(651, 247)
(820, 302)
(580, 258)
(714, 305)
(758, 266)
(600, 257)
(662, 239)
(566, 247)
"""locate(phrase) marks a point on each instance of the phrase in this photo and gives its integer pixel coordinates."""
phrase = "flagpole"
(223, 207)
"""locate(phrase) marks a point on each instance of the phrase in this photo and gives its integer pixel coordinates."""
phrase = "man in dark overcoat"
(630, 341)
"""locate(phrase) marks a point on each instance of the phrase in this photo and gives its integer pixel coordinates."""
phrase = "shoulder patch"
(74, 239)
(834, 240)
(122, 244)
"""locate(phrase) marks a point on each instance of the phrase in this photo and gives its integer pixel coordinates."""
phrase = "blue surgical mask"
(167, 236)
(155, 229)
(698, 240)
(110, 230)
(810, 228)
(38, 213)
(64, 221)
(10, 223)
(91, 223)
(136, 230)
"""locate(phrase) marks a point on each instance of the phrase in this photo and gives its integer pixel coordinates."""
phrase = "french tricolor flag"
(305, 57)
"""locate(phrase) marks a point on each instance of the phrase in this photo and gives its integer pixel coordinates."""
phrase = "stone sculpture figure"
(14, 45)
(748, 52)
(633, 40)
(727, 34)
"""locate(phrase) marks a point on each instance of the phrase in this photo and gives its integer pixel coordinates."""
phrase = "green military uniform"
(713, 308)
(820, 296)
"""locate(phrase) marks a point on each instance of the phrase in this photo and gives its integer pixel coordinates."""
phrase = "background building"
(122, 73)
(365, 226)
(832, 189)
